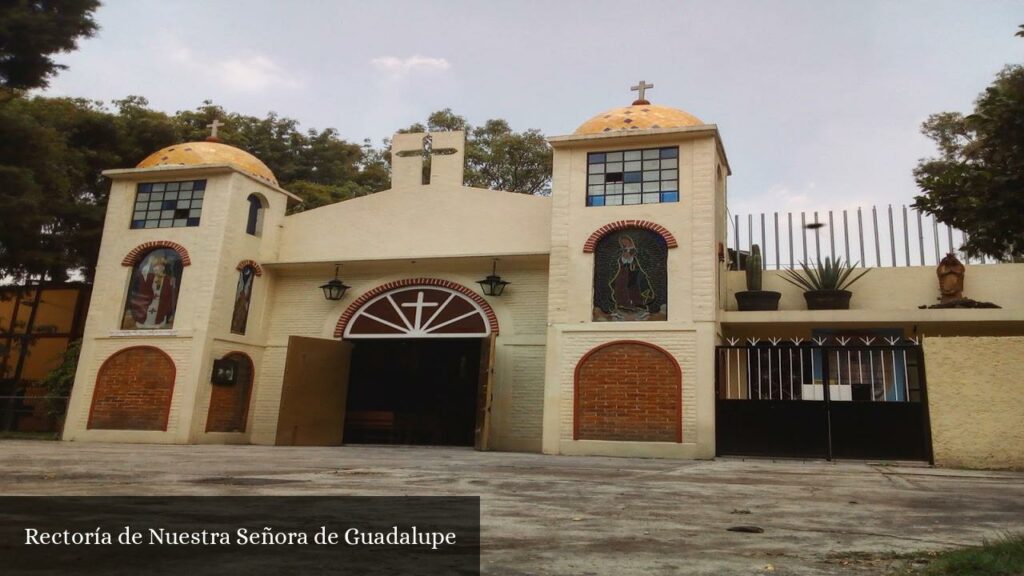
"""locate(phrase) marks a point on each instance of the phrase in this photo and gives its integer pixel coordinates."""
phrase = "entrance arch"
(418, 308)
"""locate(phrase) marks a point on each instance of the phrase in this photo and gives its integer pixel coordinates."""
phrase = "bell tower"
(638, 213)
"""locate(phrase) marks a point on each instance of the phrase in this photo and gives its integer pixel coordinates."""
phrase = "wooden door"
(483, 394)
(314, 392)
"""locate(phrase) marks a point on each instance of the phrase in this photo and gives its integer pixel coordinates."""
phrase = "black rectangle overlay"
(251, 535)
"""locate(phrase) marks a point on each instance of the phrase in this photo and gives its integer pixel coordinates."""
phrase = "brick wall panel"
(133, 391)
(628, 391)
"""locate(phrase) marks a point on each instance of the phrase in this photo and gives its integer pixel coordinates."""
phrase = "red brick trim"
(256, 268)
(354, 307)
(592, 351)
(591, 244)
(174, 380)
(139, 251)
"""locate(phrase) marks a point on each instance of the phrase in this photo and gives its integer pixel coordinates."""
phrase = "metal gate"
(827, 397)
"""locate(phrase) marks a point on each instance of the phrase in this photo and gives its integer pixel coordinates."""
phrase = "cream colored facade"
(448, 232)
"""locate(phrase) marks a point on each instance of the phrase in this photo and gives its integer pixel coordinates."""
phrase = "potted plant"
(754, 298)
(825, 285)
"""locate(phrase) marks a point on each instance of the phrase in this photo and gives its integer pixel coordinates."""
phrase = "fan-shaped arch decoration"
(420, 311)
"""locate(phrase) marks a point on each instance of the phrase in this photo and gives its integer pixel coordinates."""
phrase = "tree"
(497, 157)
(32, 31)
(977, 182)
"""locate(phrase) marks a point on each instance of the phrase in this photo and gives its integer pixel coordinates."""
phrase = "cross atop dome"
(641, 88)
(217, 124)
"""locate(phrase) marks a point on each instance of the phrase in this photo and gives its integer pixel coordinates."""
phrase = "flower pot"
(758, 300)
(828, 299)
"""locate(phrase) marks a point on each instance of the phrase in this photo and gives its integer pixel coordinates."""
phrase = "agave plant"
(830, 275)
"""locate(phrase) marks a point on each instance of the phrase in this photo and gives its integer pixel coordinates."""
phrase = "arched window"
(153, 292)
(631, 276)
(257, 207)
(243, 295)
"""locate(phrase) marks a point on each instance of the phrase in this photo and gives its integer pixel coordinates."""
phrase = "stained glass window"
(647, 176)
(631, 277)
(168, 204)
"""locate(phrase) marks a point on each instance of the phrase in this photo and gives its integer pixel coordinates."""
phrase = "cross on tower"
(427, 151)
(419, 305)
(213, 129)
(641, 88)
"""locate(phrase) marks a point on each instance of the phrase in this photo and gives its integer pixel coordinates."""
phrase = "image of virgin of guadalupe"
(243, 294)
(154, 295)
(631, 289)
(630, 277)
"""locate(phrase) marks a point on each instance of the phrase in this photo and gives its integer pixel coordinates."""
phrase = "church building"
(589, 321)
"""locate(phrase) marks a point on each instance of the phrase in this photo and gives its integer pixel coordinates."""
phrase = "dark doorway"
(413, 391)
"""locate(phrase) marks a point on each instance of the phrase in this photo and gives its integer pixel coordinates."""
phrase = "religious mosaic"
(631, 277)
(243, 294)
(649, 176)
(153, 292)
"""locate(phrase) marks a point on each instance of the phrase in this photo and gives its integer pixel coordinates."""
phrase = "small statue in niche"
(951, 286)
(951, 279)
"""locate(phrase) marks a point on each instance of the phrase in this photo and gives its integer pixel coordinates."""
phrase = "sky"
(819, 104)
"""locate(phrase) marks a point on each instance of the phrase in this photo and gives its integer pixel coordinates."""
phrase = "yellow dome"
(198, 153)
(638, 117)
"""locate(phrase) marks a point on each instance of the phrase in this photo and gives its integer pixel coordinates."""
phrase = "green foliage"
(1001, 557)
(31, 32)
(59, 381)
(754, 268)
(977, 182)
(832, 275)
(497, 157)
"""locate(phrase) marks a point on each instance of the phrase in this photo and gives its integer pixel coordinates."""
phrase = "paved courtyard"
(583, 515)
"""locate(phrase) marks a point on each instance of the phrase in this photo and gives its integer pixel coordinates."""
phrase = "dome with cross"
(638, 116)
(199, 153)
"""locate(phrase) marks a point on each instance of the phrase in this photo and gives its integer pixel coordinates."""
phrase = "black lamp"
(335, 289)
(493, 285)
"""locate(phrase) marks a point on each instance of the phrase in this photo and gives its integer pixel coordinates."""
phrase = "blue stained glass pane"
(595, 200)
(193, 221)
(138, 223)
(199, 185)
(145, 187)
(595, 158)
(632, 176)
(169, 204)
(670, 196)
(669, 152)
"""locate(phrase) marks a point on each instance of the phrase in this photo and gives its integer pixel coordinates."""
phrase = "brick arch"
(133, 390)
(256, 268)
(628, 390)
(591, 244)
(136, 254)
(354, 307)
(229, 405)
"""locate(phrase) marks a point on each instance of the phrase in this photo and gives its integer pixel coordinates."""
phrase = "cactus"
(754, 269)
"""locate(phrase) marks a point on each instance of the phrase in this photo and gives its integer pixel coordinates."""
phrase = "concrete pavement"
(583, 515)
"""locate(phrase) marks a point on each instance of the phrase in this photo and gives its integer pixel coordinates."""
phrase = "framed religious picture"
(153, 291)
(630, 277)
(225, 371)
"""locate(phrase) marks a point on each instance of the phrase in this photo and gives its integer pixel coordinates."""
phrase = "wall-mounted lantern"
(493, 285)
(334, 289)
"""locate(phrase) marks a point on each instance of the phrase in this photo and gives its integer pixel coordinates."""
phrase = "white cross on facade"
(213, 127)
(419, 305)
(641, 88)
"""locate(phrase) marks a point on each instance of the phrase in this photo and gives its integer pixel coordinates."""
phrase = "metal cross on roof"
(641, 88)
(213, 128)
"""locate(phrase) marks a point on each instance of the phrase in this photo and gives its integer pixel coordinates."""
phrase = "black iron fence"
(835, 396)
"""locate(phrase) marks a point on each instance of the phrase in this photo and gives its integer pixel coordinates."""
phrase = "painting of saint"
(243, 294)
(630, 277)
(153, 293)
